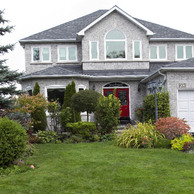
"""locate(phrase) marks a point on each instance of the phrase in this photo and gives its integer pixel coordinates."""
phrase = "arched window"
(115, 45)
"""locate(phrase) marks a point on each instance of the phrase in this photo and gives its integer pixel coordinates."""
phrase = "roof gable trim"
(115, 8)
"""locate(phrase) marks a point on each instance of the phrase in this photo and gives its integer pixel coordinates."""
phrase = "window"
(56, 94)
(158, 52)
(67, 53)
(184, 52)
(41, 54)
(94, 50)
(115, 45)
(136, 49)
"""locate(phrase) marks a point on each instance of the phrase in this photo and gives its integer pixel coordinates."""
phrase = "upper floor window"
(67, 53)
(115, 45)
(136, 49)
(158, 52)
(184, 52)
(41, 54)
(94, 51)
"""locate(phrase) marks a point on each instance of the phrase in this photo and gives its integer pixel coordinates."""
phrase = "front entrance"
(123, 95)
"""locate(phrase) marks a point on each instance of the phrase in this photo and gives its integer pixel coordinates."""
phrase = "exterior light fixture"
(155, 87)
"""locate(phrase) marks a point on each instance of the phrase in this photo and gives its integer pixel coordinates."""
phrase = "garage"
(186, 107)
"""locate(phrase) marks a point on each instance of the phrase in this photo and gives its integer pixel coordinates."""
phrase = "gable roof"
(115, 8)
(69, 31)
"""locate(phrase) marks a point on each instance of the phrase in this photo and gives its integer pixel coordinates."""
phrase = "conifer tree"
(39, 115)
(69, 92)
(8, 78)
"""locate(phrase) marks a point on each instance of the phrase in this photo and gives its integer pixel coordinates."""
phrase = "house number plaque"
(182, 85)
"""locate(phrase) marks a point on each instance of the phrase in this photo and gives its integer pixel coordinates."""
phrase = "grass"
(103, 168)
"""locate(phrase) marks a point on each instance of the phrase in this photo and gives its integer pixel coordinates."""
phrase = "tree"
(85, 100)
(8, 78)
(69, 92)
(36, 89)
(38, 115)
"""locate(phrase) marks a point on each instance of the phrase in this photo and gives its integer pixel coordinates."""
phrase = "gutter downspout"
(163, 76)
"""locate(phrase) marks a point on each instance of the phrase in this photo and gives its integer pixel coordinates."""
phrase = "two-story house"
(107, 50)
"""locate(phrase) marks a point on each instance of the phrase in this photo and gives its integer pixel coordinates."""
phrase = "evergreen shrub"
(107, 114)
(149, 106)
(13, 140)
(172, 127)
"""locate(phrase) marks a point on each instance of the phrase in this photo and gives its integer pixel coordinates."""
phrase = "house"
(110, 49)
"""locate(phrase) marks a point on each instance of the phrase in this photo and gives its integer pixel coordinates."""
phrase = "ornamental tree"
(8, 78)
(85, 100)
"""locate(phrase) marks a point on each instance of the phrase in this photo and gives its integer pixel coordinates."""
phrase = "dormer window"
(115, 45)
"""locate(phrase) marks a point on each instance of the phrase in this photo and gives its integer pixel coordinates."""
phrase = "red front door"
(123, 95)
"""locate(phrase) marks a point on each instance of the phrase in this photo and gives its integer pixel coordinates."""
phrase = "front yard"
(103, 168)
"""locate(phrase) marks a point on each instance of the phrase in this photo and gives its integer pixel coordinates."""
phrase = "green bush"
(149, 106)
(179, 142)
(172, 127)
(13, 139)
(46, 136)
(65, 117)
(86, 130)
(143, 135)
(107, 113)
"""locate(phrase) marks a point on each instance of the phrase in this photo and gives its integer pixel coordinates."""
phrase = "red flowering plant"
(26, 105)
(172, 127)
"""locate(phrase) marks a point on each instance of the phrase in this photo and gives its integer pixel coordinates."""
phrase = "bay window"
(136, 49)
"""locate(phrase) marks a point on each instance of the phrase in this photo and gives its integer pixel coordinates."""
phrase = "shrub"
(149, 106)
(46, 136)
(143, 135)
(107, 113)
(86, 130)
(179, 142)
(139, 114)
(172, 127)
(65, 117)
(13, 140)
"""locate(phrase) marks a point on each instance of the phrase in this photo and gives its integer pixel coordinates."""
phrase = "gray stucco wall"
(178, 81)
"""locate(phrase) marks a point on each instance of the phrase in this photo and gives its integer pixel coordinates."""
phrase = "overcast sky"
(30, 17)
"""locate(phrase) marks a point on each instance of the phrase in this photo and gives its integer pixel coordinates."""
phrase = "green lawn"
(103, 168)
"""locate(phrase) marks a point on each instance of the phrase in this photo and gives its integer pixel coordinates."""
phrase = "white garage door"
(186, 107)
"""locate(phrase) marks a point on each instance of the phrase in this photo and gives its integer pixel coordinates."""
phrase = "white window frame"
(115, 40)
(41, 47)
(184, 51)
(83, 87)
(157, 51)
(67, 53)
(133, 50)
(91, 50)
